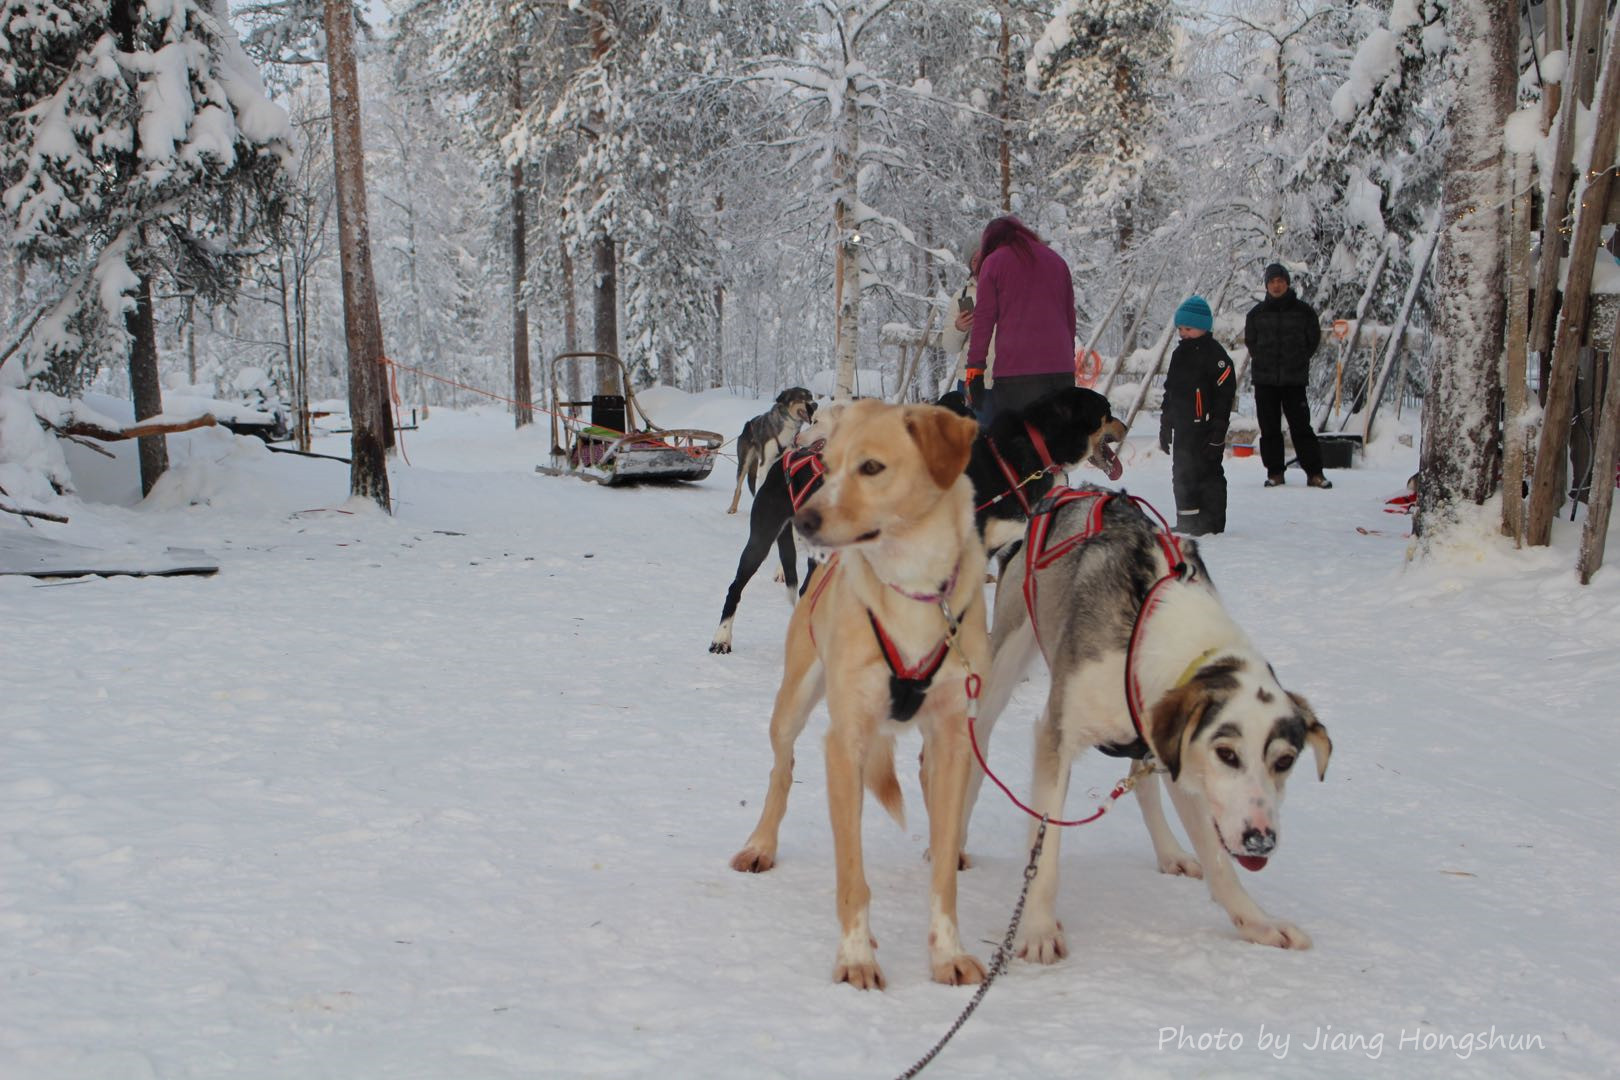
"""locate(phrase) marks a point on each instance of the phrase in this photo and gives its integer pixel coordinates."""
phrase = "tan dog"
(897, 510)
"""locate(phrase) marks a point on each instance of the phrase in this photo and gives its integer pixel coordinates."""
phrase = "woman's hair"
(1008, 231)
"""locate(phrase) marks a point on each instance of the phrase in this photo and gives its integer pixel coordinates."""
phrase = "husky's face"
(886, 466)
(1233, 734)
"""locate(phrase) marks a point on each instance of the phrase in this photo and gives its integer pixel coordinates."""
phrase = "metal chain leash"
(997, 966)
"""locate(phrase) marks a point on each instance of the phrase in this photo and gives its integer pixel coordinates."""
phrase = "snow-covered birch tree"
(1461, 408)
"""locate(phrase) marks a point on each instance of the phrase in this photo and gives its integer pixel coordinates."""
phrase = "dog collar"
(1192, 669)
(946, 588)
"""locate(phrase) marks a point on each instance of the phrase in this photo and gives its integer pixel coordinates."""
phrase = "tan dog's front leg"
(1224, 888)
(945, 762)
(801, 689)
(857, 961)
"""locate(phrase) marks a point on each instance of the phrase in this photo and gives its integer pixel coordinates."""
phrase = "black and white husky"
(1212, 711)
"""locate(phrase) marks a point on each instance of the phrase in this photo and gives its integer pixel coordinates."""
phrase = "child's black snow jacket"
(1198, 392)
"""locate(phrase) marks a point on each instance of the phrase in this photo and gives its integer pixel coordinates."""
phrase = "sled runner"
(619, 444)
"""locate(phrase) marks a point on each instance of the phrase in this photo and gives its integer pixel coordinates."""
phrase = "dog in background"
(881, 633)
(770, 518)
(765, 436)
(1212, 711)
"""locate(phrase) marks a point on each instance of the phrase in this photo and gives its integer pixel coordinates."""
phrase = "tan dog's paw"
(1279, 934)
(865, 975)
(1042, 945)
(1182, 865)
(963, 969)
(751, 860)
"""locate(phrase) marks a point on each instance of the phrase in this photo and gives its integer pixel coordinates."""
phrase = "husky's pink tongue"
(1111, 465)
(1250, 862)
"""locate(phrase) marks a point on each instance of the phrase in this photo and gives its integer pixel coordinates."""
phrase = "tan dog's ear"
(945, 438)
(1173, 722)
(1316, 736)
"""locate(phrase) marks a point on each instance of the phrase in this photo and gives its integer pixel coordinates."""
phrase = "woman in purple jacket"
(1026, 300)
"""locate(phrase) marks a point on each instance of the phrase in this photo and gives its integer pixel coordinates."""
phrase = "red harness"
(1015, 486)
(908, 683)
(803, 471)
(1041, 552)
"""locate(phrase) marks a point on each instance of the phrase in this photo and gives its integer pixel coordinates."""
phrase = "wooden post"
(1560, 180)
(1600, 501)
(1518, 328)
(1544, 494)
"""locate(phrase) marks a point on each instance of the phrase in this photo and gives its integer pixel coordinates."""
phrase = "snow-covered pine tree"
(1368, 183)
(1100, 64)
(138, 145)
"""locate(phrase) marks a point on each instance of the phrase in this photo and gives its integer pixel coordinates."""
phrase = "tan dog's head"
(886, 466)
(1232, 733)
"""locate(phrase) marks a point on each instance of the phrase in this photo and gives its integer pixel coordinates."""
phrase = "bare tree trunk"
(144, 386)
(607, 308)
(1005, 149)
(717, 376)
(849, 254)
(570, 319)
(1515, 384)
(522, 376)
(371, 430)
(1554, 443)
(1595, 533)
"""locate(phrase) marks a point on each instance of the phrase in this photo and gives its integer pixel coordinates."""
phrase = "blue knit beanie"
(1194, 312)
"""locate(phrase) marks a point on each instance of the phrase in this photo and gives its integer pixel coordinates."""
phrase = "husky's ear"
(783, 398)
(946, 440)
(1316, 736)
(1174, 719)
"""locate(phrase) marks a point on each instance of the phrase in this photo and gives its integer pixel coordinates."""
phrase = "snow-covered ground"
(451, 794)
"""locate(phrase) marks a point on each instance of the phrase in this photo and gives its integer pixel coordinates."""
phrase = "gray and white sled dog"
(1213, 713)
(765, 437)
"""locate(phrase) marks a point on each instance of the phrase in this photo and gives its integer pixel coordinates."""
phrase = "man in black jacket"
(1198, 395)
(1282, 332)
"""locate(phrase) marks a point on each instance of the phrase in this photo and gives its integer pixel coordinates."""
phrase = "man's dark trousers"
(1271, 405)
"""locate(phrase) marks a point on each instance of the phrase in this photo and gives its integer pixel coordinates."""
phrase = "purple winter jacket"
(1029, 306)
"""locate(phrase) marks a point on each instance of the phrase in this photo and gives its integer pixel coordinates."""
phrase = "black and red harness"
(1015, 486)
(803, 470)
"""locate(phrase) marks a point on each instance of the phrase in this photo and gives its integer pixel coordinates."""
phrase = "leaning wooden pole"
(1129, 346)
(1398, 332)
(1560, 181)
(1113, 309)
(1368, 291)
(1594, 534)
(1515, 385)
(1554, 443)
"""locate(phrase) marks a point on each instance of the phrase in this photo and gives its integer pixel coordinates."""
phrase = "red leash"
(973, 686)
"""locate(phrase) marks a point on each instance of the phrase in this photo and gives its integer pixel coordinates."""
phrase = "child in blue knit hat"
(1198, 395)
